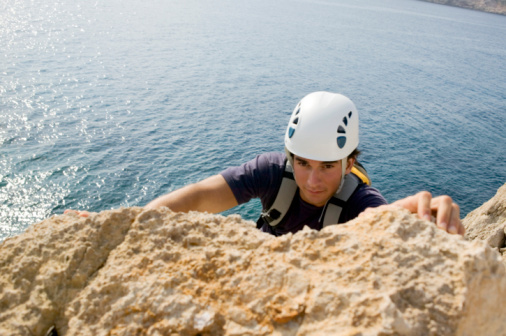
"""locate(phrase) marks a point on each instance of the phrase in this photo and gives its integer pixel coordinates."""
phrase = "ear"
(349, 164)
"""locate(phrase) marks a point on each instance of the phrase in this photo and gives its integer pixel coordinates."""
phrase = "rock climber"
(316, 182)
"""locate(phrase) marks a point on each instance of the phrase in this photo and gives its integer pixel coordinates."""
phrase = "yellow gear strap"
(361, 175)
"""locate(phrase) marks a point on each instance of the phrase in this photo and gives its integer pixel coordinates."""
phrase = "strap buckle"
(271, 216)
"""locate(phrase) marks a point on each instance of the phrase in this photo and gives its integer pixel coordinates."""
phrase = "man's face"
(317, 180)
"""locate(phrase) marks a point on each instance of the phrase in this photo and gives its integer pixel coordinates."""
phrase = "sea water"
(107, 104)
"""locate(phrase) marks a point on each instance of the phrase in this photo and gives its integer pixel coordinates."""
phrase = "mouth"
(314, 192)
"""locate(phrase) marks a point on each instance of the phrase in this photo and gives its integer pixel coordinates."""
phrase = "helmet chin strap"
(343, 173)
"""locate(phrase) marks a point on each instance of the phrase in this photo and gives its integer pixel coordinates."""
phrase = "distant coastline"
(491, 6)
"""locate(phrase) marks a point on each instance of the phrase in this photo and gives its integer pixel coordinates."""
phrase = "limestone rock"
(42, 269)
(488, 222)
(156, 272)
(491, 6)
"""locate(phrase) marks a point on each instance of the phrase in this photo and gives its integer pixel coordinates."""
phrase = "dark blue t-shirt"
(261, 178)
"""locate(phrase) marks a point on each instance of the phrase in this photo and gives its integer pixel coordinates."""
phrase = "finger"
(462, 229)
(83, 213)
(443, 206)
(424, 200)
(455, 225)
(79, 213)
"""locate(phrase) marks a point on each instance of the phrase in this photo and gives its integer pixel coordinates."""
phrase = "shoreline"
(500, 7)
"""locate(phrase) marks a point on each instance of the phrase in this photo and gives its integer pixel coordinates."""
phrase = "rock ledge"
(155, 272)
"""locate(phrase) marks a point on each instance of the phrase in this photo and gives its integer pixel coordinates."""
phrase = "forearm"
(212, 195)
(179, 200)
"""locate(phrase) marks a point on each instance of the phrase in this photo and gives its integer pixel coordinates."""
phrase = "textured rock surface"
(155, 272)
(488, 222)
(491, 6)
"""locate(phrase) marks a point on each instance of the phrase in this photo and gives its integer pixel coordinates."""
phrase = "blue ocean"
(107, 104)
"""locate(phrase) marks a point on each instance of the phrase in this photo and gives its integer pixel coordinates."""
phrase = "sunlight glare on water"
(106, 104)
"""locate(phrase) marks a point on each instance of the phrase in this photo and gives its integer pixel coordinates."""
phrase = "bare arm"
(212, 195)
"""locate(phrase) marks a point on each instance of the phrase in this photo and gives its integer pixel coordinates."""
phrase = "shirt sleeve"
(365, 197)
(257, 178)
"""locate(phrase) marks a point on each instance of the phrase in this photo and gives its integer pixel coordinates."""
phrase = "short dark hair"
(354, 155)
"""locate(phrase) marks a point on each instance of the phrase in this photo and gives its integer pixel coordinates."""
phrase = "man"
(316, 182)
(321, 148)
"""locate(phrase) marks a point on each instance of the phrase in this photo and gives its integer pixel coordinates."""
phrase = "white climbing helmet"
(323, 127)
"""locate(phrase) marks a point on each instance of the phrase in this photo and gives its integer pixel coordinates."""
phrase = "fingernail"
(443, 225)
(426, 217)
(452, 229)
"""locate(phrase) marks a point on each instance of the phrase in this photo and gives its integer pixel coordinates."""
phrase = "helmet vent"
(297, 112)
(341, 141)
(290, 132)
(296, 121)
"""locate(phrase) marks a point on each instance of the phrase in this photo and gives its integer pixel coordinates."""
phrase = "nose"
(313, 178)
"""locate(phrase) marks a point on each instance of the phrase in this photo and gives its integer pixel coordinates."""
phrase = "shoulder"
(259, 177)
(272, 158)
(266, 163)
(366, 196)
(261, 163)
(272, 164)
(362, 198)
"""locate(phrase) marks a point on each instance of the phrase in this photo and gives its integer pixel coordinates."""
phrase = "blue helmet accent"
(290, 132)
(341, 141)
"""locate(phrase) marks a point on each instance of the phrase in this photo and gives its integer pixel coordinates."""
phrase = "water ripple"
(108, 104)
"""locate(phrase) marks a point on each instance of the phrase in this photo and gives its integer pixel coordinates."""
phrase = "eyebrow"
(323, 162)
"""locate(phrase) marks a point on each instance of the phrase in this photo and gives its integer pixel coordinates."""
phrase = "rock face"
(156, 272)
(488, 222)
(491, 6)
